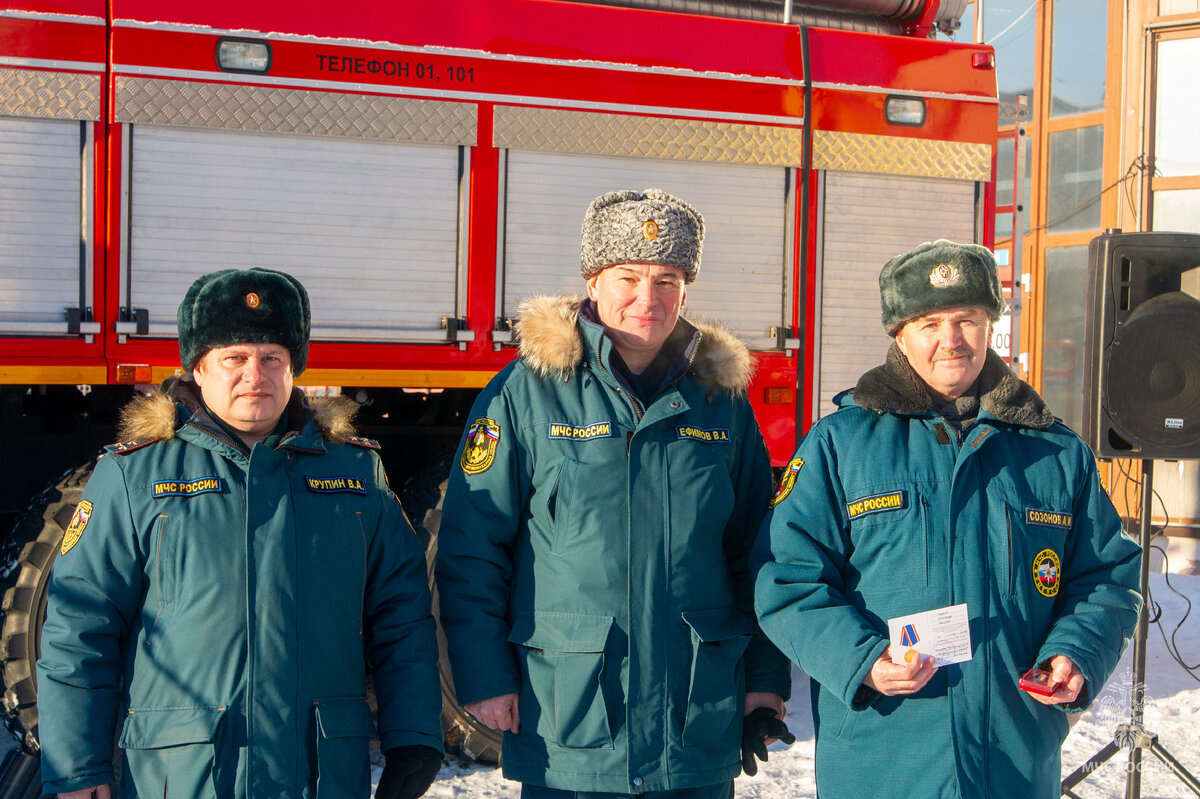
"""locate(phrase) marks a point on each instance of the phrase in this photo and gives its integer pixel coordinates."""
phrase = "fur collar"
(552, 345)
(895, 388)
(151, 416)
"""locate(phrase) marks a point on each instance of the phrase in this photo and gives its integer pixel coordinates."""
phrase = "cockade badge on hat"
(944, 275)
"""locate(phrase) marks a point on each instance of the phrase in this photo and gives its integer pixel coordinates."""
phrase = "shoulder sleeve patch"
(480, 448)
(787, 480)
(79, 521)
(366, 443)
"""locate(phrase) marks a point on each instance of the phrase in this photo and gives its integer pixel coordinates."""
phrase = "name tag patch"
(586, 432)
(187, 488)
(714, 436)
(1048, 518)
(336, 485)
(879, 503)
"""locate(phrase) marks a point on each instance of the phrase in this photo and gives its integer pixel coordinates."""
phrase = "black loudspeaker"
(1142, 346)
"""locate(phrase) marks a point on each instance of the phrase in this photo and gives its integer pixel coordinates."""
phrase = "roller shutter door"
(867, 220)
(370, 228)
(41, 224)
(742, 275)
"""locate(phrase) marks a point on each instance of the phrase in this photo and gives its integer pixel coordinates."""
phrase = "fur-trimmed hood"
(552, 345)
(894, 388)
(158, 415)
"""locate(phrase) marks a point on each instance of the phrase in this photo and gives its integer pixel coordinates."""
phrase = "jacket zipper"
(158, 556)
(638, 411)
(637, 408)
(219, 435)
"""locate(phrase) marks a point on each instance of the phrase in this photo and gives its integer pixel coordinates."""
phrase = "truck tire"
(41, 526)
(465, 736)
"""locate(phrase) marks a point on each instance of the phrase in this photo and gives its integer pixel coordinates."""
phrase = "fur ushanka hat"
(641, 227)
(244, 306)
(938, 275)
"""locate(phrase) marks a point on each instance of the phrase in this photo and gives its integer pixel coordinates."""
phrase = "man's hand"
(890, 679)
(757, 699)
(762, 726)
(1065, 678)
(99, 792)
(497, 713)
(408, 772)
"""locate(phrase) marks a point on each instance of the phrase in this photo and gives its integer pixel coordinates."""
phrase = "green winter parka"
(593, 558)
(220, 608)
(888, 510)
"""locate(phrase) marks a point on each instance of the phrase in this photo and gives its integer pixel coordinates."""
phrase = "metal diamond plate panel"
(892, 155)
(648, 137)
(56, 95)
(252, 108)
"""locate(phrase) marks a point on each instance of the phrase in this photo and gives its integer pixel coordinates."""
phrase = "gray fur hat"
(938, 275)
(641, 227)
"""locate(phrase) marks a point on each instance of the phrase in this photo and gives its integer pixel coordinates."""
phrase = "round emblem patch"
(649, 230)
(1047, 572)
(252, 300)
(944, 275)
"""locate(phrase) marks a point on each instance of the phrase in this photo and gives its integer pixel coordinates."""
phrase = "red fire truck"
(422, 167)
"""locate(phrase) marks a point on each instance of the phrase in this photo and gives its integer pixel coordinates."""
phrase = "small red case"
(1037, 681)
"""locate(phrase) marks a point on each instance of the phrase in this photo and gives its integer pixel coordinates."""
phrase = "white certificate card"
(942, 634)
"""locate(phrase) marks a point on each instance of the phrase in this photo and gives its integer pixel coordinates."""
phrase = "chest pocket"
(581, 503)
(1037, 537)
(889, 529)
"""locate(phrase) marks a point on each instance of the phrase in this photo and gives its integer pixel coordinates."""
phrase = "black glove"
(408, 772)
(759, 725)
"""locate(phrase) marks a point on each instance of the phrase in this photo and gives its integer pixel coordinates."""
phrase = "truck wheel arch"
(24, 603)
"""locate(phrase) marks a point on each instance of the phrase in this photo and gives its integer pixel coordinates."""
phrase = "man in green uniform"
(231, 573)
(943, 480)
(593, 552)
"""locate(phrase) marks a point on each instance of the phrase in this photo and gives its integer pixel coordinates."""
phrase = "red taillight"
(779, 396)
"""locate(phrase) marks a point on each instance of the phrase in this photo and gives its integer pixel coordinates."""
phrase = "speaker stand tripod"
(1133, 735)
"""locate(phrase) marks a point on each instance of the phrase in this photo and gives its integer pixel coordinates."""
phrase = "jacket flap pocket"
(344, 717)
(162, 727)
(718, 624)
(561, 632)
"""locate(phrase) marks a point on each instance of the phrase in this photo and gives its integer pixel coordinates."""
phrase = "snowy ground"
(1172, 707)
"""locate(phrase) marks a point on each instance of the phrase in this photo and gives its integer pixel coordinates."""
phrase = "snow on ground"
(1172, 707)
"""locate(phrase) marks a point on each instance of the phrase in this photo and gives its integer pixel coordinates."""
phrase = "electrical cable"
(1171, 644)
(1138, 165)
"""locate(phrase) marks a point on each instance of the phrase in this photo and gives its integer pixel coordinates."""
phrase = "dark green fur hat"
(935, 276)
(244, 306)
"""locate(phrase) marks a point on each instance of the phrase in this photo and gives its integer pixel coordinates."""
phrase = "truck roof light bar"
(907, 111)
(243, 55)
